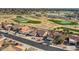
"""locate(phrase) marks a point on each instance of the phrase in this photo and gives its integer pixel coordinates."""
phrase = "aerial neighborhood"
(39, 29)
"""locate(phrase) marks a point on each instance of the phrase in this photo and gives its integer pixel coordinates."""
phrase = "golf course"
(20, 19)
(63, 22)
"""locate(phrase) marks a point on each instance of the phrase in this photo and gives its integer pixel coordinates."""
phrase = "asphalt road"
(32, 43)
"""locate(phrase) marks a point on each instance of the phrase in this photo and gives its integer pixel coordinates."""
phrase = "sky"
(39, 3)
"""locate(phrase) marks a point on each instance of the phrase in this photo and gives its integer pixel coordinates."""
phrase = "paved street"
(40, 46)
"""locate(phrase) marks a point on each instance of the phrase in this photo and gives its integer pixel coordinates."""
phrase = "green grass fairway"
(69, 29)
(64, 22)
(20, 19)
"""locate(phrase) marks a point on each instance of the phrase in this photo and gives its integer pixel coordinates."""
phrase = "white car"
(72, 41)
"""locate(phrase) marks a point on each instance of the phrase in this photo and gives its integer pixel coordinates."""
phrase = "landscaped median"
(20, 19)
(63, 22)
